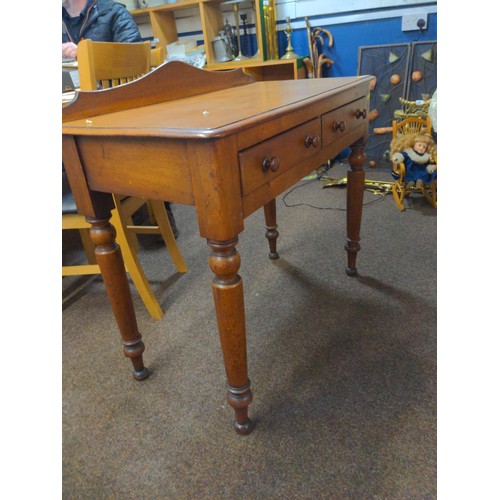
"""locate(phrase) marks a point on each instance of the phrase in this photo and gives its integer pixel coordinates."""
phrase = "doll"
(418, 153)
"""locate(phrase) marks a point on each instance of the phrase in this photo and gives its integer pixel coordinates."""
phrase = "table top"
(212, 115)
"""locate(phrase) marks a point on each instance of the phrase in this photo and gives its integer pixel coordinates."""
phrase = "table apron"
(277, 185)
(160, 169)
(155, 168)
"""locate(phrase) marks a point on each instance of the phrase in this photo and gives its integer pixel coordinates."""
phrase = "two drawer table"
(227, 145)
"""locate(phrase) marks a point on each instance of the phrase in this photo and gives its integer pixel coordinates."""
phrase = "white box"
(180, 48)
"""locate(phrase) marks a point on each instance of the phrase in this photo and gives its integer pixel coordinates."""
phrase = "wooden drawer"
(342, 120)
(265, 161)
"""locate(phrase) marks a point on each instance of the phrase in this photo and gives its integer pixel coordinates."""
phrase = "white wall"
(332, 12)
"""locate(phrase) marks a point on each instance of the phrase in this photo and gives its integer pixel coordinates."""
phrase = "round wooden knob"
(338, 126)
(360, 114)
(272, 164)
(275, 164)
(312, 140)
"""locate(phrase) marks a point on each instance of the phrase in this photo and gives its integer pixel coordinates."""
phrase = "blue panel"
(349, 37)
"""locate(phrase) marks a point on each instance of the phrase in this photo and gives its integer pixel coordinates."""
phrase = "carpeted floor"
(343, 370)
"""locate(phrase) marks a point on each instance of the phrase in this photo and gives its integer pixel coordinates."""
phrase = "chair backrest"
(158, 56)
(411, 125)
(108, 64)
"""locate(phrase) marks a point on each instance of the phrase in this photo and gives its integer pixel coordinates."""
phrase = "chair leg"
(431, 193)
(152, 218)
(133, 241)
(126, 218)
(127, 239)
(88, 246)
(427, 195)
(134, 267)
(398, 194)
(160, 214)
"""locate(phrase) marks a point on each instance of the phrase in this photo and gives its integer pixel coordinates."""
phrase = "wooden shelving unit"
(163, 23)
(164, 27)
(281, 69)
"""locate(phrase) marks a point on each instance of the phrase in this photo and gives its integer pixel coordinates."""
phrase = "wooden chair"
(410, 126)
(158, 56)
(102, 65)
(105, 65)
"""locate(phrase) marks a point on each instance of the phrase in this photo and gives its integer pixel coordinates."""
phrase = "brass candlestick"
(238, 35)
(235, 3)
(289, 53)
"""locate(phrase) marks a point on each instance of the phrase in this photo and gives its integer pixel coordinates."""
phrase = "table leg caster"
(245, 428)
(141, 374)
(239, 398)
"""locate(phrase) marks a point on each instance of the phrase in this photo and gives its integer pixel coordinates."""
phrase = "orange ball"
(372, 163)
(395, 79)
(416, 76)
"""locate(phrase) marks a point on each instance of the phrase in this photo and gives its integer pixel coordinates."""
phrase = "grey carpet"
(343, 370)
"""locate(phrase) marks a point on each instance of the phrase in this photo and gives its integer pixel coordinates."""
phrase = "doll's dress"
(416, 167)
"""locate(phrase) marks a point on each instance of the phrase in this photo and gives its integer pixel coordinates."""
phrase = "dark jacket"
(101, 21)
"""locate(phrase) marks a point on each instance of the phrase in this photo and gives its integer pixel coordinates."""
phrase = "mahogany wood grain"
(109, 258)
(168, 174)
(271, 228)
(356, 181)
(170, 81)
(90, 203)
(227, 288)
(286, 149)
(228, 146)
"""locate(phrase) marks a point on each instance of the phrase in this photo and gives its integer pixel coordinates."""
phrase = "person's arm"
(124, 28)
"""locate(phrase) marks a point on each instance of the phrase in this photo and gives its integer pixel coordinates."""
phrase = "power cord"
(319, 177)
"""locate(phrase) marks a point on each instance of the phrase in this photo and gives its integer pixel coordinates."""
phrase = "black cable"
(382, 196)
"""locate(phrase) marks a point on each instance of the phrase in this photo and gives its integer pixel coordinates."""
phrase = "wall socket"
(409, 22)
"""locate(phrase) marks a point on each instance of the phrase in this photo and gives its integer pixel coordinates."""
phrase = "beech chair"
(401, 189)
(158, 56)
(103, 65)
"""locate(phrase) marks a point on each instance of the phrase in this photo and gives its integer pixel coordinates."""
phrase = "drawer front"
(265, 161)
(342, 120)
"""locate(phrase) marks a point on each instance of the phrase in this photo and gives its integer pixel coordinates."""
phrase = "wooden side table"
(227, 145)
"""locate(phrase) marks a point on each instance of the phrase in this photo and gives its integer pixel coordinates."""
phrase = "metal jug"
(222, 51)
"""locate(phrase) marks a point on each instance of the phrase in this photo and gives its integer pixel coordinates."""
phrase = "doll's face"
(420, 147)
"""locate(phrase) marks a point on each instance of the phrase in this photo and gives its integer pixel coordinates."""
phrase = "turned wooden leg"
(355, 191)
(227, 289)
(271, 233)
(109, 258)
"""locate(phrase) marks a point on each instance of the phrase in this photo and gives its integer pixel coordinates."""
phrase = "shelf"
(281, 69)
(164, 24)
(181, 4)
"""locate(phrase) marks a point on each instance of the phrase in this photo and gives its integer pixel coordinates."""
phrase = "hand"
(69, 50)
(431, 169)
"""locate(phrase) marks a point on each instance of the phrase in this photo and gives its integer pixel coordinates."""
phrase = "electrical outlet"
(410, 22)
